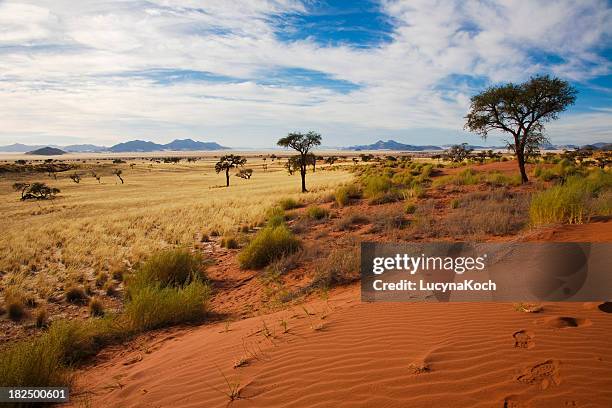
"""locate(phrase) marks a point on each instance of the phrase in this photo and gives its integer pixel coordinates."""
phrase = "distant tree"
(331, 160)
(118, 173)
(521, 110)
(366, 157)
(35, 191)
(302, 143)
(20, 162)
(118, 161)
(96, 176)
(75, 177)
(245, 173)
(228, 162)
(458, 153)
(355, 161)
(292, 165)
(312, 161)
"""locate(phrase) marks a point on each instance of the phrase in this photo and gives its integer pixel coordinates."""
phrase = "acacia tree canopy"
(521, 110)
(302, 143)
(228, 162)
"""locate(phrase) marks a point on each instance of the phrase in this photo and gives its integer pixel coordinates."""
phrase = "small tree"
(302, 143)
(75, 177)
(521, 110)
(292, 165)
(245, 173)
(118, 173)
(96, 176)
(35, 191)
(458, 153)
(331, 160)
(228, 162)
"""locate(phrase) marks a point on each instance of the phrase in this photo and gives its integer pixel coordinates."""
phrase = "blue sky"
(244, 73)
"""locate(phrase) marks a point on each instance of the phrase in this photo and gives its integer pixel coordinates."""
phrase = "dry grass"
(92, 228)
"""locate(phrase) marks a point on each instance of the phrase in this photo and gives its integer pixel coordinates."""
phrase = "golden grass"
(94, 227)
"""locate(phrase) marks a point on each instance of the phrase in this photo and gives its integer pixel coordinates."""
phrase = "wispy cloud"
(227, 70)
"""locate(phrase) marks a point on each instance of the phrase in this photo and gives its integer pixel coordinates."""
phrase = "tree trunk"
(227, 177)
(520, 156)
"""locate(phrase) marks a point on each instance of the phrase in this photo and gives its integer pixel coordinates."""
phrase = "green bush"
(229, 243)
(317, 213)
(154, 306)
(275, 216)
(289, 204)
(268, 244)
(410, 208)
(345, 194)
(375, 186)
(44, 360)
(173, 267)
(571, 202)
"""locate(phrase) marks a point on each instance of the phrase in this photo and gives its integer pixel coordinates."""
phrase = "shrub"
(15, 309)
(454, 203)
(269, 244)
(345, 194)
(349, 221)
(275, 217)
(340, 267)
(229, 243)
(375, 186)
(571, 202)
(317, 213)
(44, 361)
(417, 191)
(289, 204)
(498, 179)
(174, 267)
(96, 307)
(75, 294)
(385, 198)
(101, 279)
(41, 316)
(154, 306)
(487, 213)
(410, 208)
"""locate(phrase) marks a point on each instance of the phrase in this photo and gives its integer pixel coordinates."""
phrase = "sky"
(245, 73)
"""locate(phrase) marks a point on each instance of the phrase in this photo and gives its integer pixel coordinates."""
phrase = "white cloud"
(62, 64)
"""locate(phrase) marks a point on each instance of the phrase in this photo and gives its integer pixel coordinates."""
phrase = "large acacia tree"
(521, 110)
(302, 143)
(228, 162)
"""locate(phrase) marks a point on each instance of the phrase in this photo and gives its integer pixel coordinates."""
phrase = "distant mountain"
(84, 148)
(188, 144)
(136, 146)
(598, 146)
(184, 145)
(19, 148)
(47, 151)
(393, 145)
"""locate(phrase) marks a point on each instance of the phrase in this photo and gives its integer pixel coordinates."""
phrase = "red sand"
(344, 353)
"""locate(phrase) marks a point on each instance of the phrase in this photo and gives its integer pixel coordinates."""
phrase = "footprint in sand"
(542, 373)
(563, 322)
(605, 307)
(513, 401)
(523, 339)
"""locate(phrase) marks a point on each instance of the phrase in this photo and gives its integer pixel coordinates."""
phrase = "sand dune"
(345, 353)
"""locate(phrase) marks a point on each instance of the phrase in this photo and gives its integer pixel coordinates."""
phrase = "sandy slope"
(345, 353)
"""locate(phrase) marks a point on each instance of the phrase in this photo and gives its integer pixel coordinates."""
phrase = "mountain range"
(397, 146)
(130, 146)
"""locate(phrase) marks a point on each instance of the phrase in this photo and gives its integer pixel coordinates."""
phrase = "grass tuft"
(270, 243)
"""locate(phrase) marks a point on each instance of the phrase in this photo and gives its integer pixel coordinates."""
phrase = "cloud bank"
(246, 72)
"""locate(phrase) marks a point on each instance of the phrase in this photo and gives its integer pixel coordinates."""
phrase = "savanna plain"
(145, 281)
